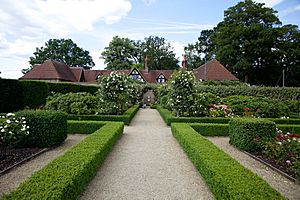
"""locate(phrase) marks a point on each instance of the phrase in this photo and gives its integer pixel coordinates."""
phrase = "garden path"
(147, 163)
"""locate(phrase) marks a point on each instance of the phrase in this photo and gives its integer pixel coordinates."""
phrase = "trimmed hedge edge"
(126, 117)
(84, 127)
(226, 178)
(168, 118)
(67, 176)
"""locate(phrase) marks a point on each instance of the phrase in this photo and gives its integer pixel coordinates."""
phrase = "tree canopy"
(123, 53)
(252, 44)
(62, 50)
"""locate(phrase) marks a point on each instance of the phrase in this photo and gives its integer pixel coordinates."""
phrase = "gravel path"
(147, 163)
(17, 175)
(283, 185)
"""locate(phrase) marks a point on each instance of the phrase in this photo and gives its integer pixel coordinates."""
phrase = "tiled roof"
(213, 70)
(51, 70)
(151, 75)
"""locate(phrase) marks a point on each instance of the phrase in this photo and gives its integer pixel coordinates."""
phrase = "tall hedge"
(11, 97)
(284, 93)
(34, 93)
(248, 134)
(46, 128)
(71, 87)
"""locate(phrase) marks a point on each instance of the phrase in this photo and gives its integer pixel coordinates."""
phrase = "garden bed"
(11, 157)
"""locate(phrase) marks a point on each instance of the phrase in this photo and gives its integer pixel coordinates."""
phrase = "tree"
(203, 46)
(160, 53)
(245, 39)
(62, 50)
(121, 53)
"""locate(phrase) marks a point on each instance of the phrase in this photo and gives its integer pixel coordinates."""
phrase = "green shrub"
(226, 178)
(64, 88)
(46, 128)
(165, 114)
(209, 129)
(250, 134)
(67, 176)
(126, 117)
(292, 128)
(73, 103)
(34, 93)
(13, 130)
(11, 95)
(84, 127)
(286, 93)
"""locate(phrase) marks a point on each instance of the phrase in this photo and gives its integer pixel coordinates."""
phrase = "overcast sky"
(27, 24)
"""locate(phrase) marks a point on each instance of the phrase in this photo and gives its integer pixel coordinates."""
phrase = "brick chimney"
(184, 62)
(146, 64)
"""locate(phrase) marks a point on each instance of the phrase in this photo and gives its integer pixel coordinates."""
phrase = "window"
(135, 75)
(161, 79)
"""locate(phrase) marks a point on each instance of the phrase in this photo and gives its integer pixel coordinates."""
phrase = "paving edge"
(23, 161)
(272, 167)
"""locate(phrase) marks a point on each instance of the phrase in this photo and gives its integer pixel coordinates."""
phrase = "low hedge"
(226, 178)
(46, 128)
(67, 176)
(248, 134)
(289, 128)
(126, 117)
(84, 127)
(208, 129)
(168, 118)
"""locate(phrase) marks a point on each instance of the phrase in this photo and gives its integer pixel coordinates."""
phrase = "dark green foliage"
(73, 103)
(287, 93)
(46, 128)
(84, 127)
(34, 93)
(250, 134)
(226, 178)
(209, 129)
(11, 98)
(126, 117)
(165, 114)
(67, 176)
(64, 51)
(70, 87)
(291, 128)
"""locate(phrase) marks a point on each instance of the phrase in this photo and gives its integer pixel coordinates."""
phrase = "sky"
(91, 24)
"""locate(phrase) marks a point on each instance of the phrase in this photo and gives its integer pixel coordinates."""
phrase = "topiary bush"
(73, 103)
(46, 128)
(250, 134)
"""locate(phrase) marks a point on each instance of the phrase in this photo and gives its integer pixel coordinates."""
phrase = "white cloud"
(178, 49)
(270, 3)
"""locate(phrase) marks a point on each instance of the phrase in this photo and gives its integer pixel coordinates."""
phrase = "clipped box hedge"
(11, 97)
(289, 128)
(126, 117)
(209, 129)
(46, 128)
(248, 134)
(226, 178)
(67, 176)
(71, 87)
(84, 127)
(169, 118)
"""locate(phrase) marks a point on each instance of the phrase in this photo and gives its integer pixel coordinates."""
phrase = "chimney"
(146, 64)
(184, 62)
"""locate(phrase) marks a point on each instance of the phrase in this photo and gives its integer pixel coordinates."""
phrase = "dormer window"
(161, 79)
(135, 75)
(98, 77)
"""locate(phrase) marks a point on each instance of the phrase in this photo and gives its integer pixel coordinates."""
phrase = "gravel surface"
(283, 185)
(147, 163)
(17, 175)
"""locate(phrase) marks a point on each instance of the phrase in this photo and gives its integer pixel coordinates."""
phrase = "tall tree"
(62, 50)
(121, 53)
(160, 53)
(244, 41)
(203, 46)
